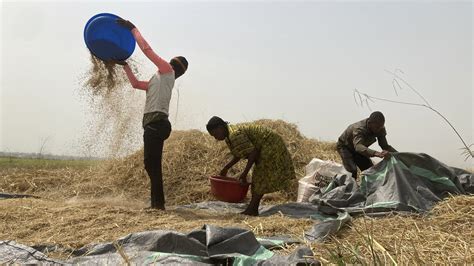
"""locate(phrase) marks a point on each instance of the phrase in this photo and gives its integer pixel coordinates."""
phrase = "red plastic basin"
(228, 189)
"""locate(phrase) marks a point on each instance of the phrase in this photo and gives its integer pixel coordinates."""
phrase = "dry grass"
(102, 203)
(444, 236)
(76, 223)
(190, 157)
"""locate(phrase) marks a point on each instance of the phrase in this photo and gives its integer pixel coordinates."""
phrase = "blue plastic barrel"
(108, 40)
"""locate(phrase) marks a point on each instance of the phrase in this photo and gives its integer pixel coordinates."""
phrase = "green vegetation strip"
(30, 163)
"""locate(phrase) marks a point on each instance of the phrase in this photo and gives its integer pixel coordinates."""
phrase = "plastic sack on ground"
(318, 174)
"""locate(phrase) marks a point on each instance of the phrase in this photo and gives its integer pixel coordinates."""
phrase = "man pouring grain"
(157, 127)
(353, 144)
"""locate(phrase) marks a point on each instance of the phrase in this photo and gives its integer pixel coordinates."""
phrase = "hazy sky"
(282, 60)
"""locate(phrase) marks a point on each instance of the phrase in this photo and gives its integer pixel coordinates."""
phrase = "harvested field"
(444, 236)
(84, 204)
(73, 224)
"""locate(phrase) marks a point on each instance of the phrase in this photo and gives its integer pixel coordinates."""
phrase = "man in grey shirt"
(157, 127)
(353, 144)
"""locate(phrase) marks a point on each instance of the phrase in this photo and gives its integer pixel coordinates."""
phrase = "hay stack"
(190, 157)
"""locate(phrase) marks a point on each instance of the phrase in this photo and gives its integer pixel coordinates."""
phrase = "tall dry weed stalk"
(398, 83)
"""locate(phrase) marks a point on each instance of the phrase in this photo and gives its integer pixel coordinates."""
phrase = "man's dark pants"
(154, 137)
(352, 159)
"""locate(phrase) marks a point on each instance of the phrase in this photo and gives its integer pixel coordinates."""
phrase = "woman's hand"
(224, 171)
(125, 23)
(228, 166)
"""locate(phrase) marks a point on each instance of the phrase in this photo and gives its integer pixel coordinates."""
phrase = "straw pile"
(57, 183)
(190, 157)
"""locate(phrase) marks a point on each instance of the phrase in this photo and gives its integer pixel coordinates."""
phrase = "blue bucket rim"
(89, 21)
(94, 17)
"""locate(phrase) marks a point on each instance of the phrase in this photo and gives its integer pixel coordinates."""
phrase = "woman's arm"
(228, 166)
(141, 85)
(163, 66)
(250, 161)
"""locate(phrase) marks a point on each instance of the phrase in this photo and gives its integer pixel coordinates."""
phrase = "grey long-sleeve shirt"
(357, 137)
